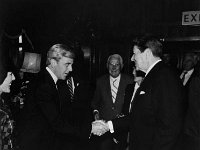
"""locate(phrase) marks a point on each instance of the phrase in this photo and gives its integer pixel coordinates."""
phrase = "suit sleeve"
(97, 97)
(121, 124)
(167, 103)
(46, 102)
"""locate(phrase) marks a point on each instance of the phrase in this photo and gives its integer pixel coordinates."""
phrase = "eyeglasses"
(117, 65)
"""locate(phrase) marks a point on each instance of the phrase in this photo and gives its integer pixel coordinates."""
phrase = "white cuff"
(110, 125)
(95, 111)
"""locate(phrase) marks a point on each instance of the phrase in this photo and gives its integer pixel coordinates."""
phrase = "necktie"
(114, 90)
(58, 84)
(183, 78)
(69, 83)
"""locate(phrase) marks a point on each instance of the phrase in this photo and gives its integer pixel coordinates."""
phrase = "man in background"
(109, 98)
(189, 62)
(191, 137)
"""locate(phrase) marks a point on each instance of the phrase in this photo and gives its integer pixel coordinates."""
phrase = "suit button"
(113, 108)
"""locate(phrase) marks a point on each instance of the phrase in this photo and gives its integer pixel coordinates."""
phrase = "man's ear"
(53, 62)
(148, 52)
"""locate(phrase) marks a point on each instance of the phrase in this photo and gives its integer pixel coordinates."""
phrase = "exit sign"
(191, 18)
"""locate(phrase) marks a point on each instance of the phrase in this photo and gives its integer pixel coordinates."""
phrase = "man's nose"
(133, 58)
(13, 77)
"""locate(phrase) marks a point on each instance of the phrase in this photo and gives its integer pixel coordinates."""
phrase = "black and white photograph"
(99, 75)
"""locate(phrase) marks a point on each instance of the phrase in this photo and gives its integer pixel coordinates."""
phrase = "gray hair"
(116, 56)
(58, 51)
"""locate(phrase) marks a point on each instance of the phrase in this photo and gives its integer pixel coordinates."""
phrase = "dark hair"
(151, 42)
(3, 74)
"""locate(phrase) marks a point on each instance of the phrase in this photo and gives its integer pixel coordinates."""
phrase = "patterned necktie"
(69, 83)
(114, 90)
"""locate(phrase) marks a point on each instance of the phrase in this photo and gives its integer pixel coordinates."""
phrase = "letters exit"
(191, 18)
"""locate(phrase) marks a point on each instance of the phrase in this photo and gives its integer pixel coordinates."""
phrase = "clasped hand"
(99, 127)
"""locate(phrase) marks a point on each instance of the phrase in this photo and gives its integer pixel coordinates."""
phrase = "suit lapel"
(128, 97)
(49, 80)
(108, 88)
(130, 91)
(120, 87)
(146, 82)
(189, 80)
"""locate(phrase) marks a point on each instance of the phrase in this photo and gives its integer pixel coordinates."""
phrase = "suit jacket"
(76, 110)
(156, 119)
(192, 121)
(102, 100)
(189, 80)
(123, 134)
(44, 125)
(127, 98)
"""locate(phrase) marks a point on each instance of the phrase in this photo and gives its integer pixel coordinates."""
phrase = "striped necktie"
(69, 83)
(183, 77)
(114, 90)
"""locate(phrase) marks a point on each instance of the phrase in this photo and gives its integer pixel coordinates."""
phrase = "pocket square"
(142, 92)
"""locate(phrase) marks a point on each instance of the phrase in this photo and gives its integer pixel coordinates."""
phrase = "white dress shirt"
(55, 79)
(187, 75)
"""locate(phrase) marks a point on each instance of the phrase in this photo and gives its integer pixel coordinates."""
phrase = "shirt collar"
(152, 67)
(190, 71)
(112, 79)
(55, 79)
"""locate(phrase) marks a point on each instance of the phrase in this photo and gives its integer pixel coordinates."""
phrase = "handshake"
(99, 127)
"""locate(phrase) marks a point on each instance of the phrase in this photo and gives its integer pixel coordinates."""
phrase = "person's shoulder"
(43, 79)
(127, 76)
(196, 77)
(103, 77)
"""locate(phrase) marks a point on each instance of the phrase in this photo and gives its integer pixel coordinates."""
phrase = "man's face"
(114, 67)
(5, 86)
(140, 59)
(188, 63)
(63, 67)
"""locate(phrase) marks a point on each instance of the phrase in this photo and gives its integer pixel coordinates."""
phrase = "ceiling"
(47, 21)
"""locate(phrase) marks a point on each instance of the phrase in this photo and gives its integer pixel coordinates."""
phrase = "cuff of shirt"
(110, 125)
(95, 111)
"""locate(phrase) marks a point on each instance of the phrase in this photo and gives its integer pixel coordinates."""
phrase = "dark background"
(102, 26)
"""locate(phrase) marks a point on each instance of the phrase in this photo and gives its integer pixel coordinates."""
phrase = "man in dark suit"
(189, 63)
(109, 98)
(44, 125)
(191, 137)
(156, 118)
